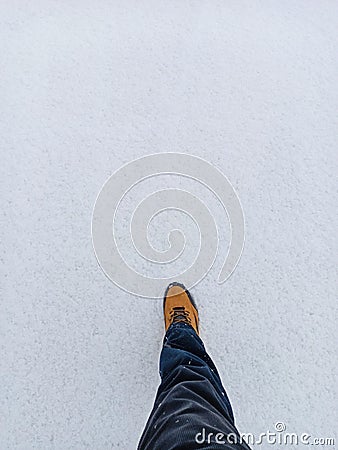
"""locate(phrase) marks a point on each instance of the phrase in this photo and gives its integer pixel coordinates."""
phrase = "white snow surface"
(88, 86)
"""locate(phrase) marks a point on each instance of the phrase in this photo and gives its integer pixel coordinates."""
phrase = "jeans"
(191, 409)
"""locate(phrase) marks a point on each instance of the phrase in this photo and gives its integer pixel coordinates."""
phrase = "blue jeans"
(191, 409)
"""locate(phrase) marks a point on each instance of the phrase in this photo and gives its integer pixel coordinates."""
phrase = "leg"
(191, 408)
(183, 347)
(190, 399)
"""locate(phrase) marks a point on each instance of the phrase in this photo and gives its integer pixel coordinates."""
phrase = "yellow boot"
(179, 306)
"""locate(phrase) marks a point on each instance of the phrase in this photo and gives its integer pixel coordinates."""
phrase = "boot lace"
(179, 314)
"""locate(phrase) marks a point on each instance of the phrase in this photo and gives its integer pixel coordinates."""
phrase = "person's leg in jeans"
(191, 408)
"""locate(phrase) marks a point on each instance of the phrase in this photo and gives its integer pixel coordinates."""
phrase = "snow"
(87, 87)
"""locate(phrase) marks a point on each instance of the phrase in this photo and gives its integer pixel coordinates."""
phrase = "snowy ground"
(88, 86)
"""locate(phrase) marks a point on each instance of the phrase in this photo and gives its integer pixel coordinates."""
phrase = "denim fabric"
(191, 405)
